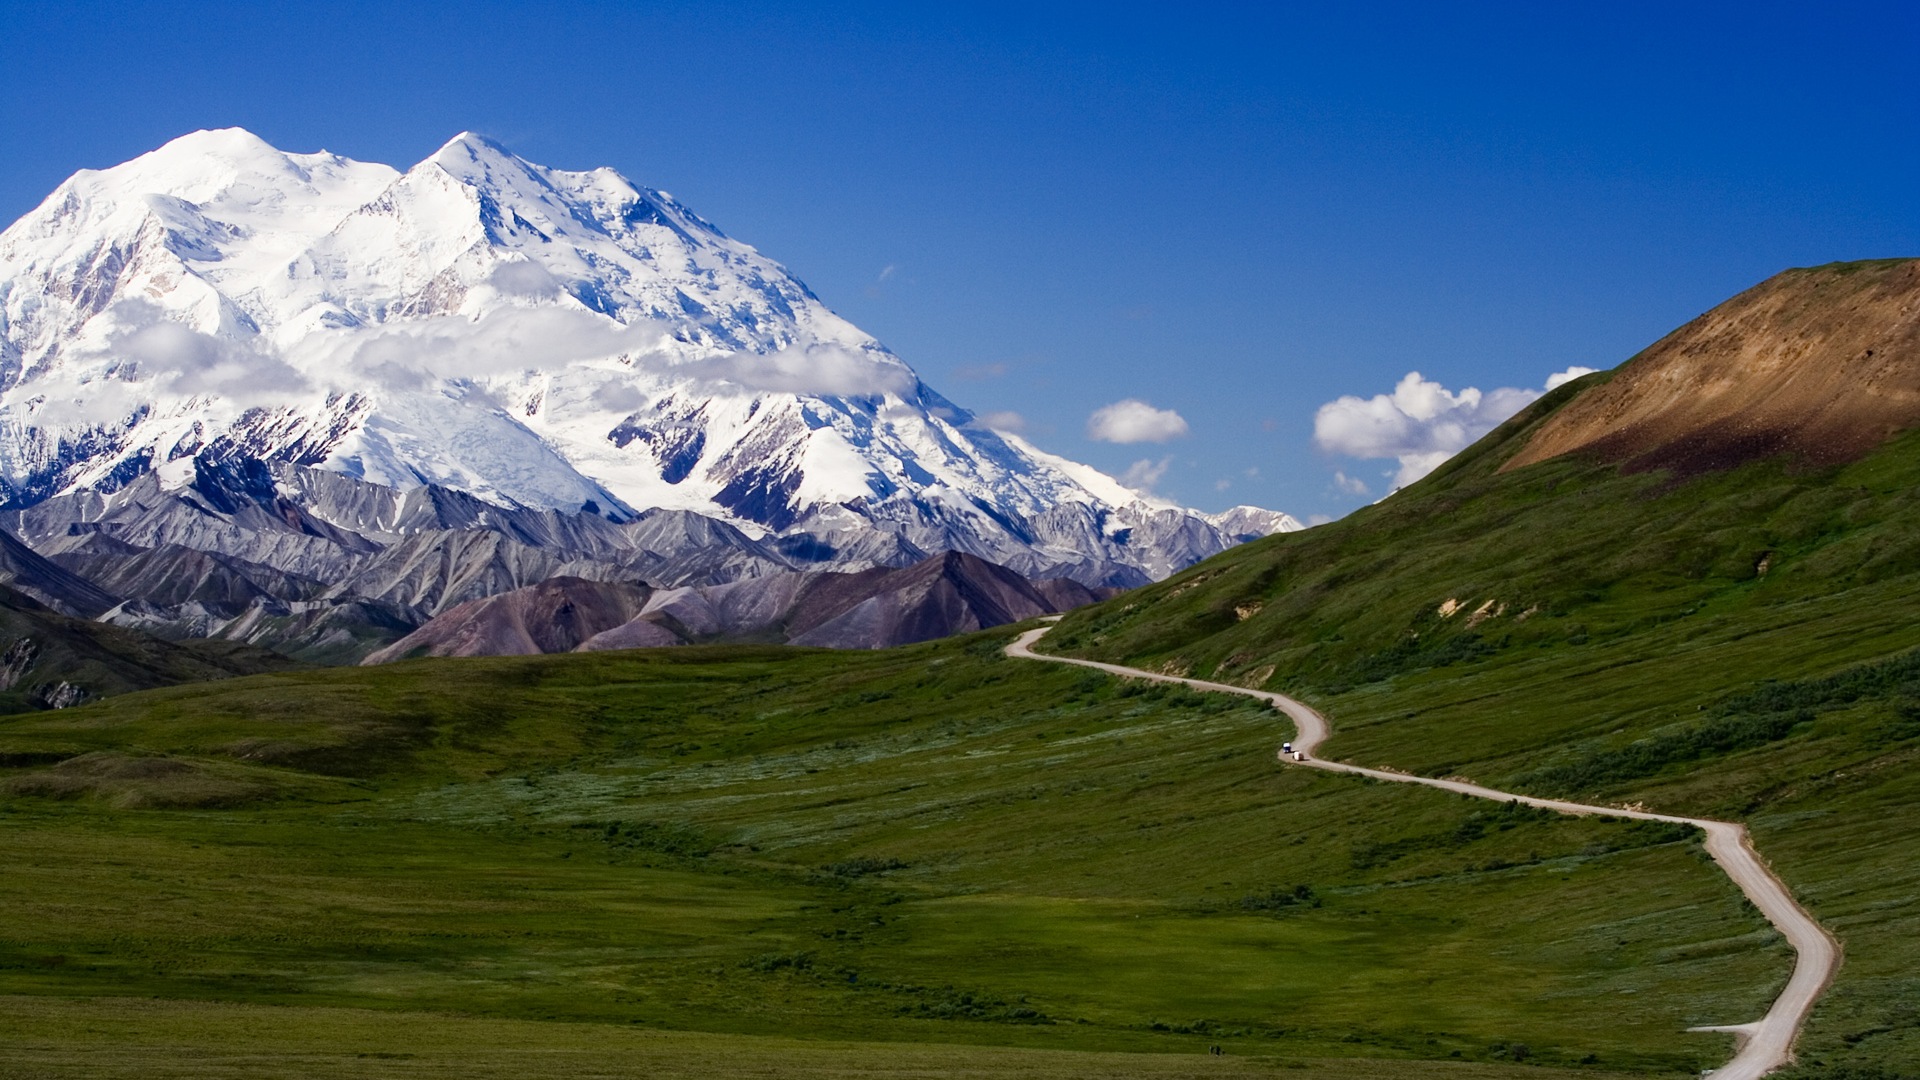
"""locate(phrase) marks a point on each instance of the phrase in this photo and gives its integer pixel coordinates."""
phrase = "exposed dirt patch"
(1821, 363)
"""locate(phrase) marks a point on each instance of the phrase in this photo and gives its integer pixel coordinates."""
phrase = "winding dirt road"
(1762, 1046)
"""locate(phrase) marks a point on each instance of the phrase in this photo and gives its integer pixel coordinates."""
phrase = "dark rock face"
(49, 583)
(948, 594)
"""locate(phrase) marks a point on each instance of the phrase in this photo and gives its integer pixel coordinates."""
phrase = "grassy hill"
(1735, 643)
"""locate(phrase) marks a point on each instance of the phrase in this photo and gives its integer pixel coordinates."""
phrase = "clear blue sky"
(1236, 215)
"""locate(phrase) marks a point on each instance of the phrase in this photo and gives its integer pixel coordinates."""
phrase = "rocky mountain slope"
(46, 582)
(328, 568)
(872, 609)
(396, 354)
(53, 661)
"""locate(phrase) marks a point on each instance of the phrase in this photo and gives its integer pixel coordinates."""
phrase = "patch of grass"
(1281, 899)
(145, 1039)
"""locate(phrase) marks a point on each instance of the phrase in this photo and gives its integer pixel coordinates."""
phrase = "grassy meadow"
(926, 861)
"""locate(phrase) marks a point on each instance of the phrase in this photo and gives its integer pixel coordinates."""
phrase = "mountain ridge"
(1816, 362)
(940, 596)
(537, 338)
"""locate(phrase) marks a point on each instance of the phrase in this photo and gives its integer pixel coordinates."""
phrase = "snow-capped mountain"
(536, 338)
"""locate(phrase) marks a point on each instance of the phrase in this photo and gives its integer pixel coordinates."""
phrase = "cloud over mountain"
(1421, 423)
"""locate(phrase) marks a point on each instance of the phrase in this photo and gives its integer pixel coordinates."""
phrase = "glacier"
(538, 339)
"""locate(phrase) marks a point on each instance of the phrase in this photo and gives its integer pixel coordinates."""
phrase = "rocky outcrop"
(51, 660)
(173, 575)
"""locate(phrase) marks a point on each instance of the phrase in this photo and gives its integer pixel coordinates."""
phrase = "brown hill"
(554, 616)
(941, 596)
(1822, 363)
(952, 593)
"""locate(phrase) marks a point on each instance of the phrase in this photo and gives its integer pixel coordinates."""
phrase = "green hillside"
(1738, 644)
(928, 847)
(48, 659)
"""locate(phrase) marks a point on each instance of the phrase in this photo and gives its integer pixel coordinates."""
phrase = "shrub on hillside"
(1280, 899)
(1645, 757)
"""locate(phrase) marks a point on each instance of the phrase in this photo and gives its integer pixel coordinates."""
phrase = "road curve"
(1763, 1045)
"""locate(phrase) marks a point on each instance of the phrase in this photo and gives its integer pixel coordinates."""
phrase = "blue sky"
(1235, 215)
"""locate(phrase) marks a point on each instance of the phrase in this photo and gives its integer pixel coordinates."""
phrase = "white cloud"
(1142, 475)
(614, 394)
(1561, 378)
(1222, 484)
(150, 353)
(421, 352)
(808, 369)
(1135, 421)
(524, 278)
(1004, 420)
(885, 275)
(143, 355)
(1421, 423)
(194, 363)
(1352, 485)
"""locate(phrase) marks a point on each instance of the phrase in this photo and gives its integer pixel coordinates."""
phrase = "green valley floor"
(923, 861)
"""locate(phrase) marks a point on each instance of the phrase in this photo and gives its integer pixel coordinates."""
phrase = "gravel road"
(1761, 1046)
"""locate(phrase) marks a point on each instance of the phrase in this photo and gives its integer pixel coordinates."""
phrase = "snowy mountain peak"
(536, 337)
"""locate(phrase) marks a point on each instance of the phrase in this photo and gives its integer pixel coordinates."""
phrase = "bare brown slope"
(951, 593)
(1821, 362)
(554, 616)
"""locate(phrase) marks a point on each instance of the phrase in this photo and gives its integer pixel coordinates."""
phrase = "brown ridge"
(1822, 363)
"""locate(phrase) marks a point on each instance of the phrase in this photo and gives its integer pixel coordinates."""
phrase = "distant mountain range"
(878, 608)
(346, 386)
